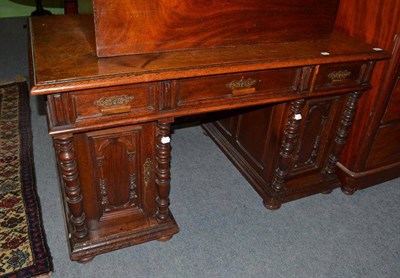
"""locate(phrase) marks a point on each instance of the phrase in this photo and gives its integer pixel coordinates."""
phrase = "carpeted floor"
(225, 230)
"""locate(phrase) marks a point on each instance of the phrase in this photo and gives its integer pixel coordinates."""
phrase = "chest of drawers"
(372, 154)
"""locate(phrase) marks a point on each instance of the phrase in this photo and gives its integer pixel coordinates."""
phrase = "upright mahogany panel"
(142, 26)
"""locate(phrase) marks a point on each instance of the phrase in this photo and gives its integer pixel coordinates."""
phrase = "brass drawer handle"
(242, 86)
(114, 104)
(339, 76)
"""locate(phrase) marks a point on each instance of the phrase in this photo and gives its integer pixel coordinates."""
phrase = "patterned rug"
(23, 250)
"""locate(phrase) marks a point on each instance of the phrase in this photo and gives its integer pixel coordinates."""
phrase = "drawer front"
(121, 101)
(215, 88)
(341, 75)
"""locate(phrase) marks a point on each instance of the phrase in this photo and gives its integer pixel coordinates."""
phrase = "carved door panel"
(120, 186)
(318, 119)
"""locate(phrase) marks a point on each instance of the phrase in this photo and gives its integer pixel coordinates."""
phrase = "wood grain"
(143, 26)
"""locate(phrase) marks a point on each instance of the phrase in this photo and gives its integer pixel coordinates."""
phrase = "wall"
(16, 8)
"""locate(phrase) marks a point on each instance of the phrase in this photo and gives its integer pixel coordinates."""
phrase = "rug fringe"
(18, 79)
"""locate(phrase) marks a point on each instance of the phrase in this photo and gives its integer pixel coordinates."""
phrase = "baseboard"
(353, 181)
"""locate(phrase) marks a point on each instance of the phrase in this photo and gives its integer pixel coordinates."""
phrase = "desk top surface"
(64, 57)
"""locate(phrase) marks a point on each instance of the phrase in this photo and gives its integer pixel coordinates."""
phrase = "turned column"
(341, 134)
(66, 159)
(289, 140)
(163, 175)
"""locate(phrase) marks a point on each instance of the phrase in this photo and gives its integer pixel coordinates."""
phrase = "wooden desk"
(110, 118)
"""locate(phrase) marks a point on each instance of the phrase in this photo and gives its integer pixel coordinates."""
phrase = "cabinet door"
(117, 176)
(317, 131)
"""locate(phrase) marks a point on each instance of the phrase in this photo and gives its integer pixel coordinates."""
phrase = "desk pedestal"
(115, 185)
(285, 151)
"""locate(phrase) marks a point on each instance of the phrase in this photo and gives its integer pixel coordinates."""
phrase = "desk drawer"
(120, 101)
(340, 75)
(192, 91)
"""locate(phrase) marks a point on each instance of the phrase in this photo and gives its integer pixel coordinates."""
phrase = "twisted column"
(342, 132)
(163, 175)
(66, 159)
(290, 136)
(289, 141)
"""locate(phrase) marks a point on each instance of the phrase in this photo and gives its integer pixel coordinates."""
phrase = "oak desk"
(110, 117)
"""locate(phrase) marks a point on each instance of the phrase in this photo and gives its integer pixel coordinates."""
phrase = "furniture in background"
(110, 118)
(39, 9)
(70, 7)
(372, 154)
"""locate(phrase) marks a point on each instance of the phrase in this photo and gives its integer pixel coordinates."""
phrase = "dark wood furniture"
(372, 154)
(110, 118)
